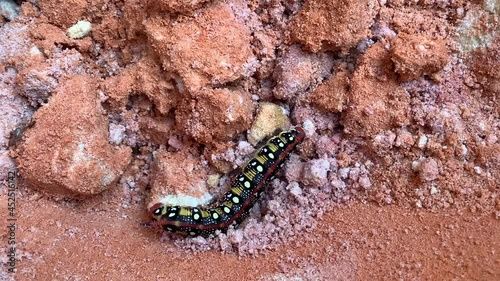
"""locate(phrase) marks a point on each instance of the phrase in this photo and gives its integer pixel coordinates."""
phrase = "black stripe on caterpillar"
(234, 206)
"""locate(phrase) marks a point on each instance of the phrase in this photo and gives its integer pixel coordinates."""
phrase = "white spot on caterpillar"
(215, 215)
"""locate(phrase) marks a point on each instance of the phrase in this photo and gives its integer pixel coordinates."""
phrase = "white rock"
(433, 190)
(116, 133)
(9, 9)
(309, 127)
(422, 141)
(478, 170)
(81, 29)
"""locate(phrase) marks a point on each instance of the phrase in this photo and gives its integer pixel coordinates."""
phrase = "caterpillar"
(234, 206)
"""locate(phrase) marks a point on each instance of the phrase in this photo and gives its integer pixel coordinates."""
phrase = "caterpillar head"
(157, 211)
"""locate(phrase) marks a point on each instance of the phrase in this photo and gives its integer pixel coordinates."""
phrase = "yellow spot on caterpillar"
(261, 159)
(205, 214)
(236, 200)
(250, 174)
(196, 216)
(237, 190)
(247, 184)
(271, 156)
(227, 210)
(260, 169)
(185, 212)
(272, 147)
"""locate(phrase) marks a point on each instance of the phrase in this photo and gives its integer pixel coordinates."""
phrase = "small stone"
(270, 118)
(295, 189)
(338, 184)
(9, 9)
(415, 166)
(309, 127)
(429, 170)
(354, 174)
(344, 173)
(316, 171)
(422, 141)
(34, 51)
(364, 182)
(81, 29)
(465, 150)
(116, 133)
(213, 180)
(478, 170)
(418, 204)
(385, 139)
(433, 190)
(404, 139)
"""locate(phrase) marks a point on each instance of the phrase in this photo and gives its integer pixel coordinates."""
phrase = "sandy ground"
(355, 242)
